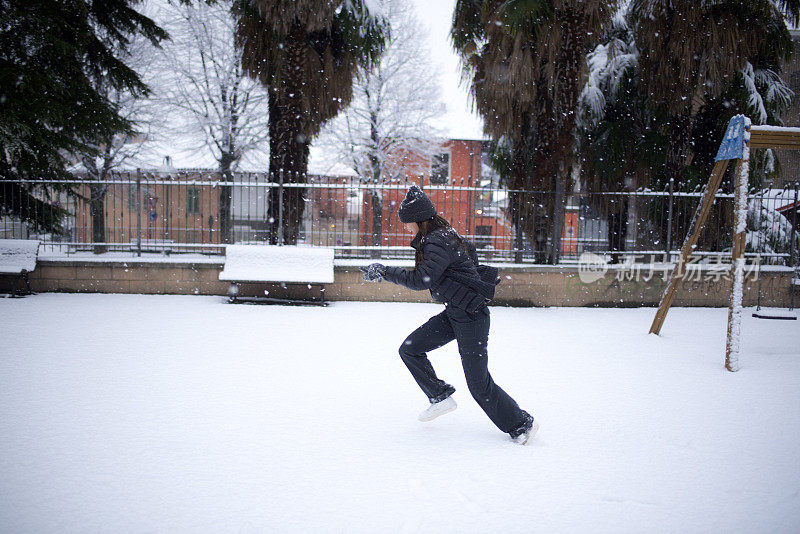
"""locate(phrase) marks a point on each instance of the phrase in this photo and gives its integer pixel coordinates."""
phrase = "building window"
(483, 235)
(193, 200)
(440, 168)
(131, 197)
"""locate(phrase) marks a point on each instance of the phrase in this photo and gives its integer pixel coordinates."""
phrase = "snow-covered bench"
(17, 259)
(311, 266)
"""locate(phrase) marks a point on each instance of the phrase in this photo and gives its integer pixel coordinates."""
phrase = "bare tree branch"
(217, 108)
(393, 108)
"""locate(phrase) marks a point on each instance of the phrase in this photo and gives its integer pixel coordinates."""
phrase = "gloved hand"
(373, 272)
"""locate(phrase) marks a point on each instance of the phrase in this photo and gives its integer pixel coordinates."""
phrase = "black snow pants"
(471, 330)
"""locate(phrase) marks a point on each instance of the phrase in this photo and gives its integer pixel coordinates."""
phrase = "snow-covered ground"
(128, 413)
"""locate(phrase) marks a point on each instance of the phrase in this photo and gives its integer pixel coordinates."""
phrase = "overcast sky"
(459, 122)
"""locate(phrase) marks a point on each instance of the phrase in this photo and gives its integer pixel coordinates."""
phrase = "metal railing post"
(519, 243)
(668, 246)
(792, 257)
(138, 212)
(280, 207)
(794, 230)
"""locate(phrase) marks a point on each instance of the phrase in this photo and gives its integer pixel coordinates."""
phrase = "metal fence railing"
(199, 212)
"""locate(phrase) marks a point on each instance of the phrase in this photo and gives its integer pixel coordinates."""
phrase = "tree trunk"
(559, 210)
(377, 222)
(288, 140)
(377, 201)
(274, 168)
(226, 200)
(570, 84)
(632, 223)
(522, 206)
(517, 201)
(676, 158)
(97, 210)
(547, 160)
(617, 231)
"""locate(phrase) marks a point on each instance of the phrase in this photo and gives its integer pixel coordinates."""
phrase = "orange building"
(442, 176)
(339, 211)
(163, 212)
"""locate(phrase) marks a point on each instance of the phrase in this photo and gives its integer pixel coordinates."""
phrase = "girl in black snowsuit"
(447, 265)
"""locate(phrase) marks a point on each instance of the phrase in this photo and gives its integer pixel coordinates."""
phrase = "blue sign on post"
(732, 145)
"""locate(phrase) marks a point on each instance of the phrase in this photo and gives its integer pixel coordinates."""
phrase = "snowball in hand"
(373, 272)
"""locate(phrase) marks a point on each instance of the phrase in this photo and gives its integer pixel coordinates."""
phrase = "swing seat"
(776, 314)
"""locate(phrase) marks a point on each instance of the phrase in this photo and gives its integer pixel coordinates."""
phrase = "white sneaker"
(527, 436)
(438, 408)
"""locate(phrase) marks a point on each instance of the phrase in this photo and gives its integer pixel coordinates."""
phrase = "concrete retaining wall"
(521, 286)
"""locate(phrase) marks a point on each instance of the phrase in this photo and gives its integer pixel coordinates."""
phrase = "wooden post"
(699, 220)
(740, 137)
(737, 264)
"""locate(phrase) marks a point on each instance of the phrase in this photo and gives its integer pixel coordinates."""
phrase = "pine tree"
(53, 54)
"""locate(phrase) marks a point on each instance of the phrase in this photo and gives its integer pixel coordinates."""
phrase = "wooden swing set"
(739, 138)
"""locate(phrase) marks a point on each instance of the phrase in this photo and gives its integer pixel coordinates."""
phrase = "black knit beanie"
(416, 206)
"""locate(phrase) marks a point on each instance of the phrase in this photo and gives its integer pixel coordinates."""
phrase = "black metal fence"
(197, 211)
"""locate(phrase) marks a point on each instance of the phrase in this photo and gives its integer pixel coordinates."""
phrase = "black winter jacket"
(446, 268)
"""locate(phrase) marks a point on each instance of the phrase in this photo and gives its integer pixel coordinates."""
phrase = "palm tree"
(306, 53)
(526, 65)
(692, 51)
(620, 144)
(626, 130)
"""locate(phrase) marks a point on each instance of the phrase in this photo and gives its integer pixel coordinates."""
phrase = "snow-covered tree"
(609, 63)
(214, 106)
(392, 113)
(620, 117)
(768, 231)
(691, 52)
(627, 133)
